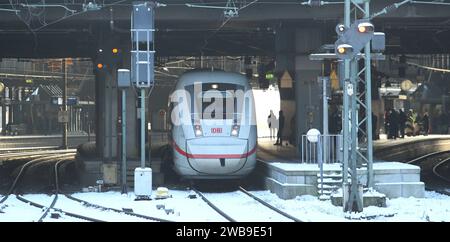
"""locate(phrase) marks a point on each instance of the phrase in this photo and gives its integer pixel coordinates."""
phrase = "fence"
(331, 145)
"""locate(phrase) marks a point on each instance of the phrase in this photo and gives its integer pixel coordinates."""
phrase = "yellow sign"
(334, 80)
(286, 80)
(402, 97)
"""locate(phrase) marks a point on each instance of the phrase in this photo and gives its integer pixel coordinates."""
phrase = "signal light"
(362, 29)
(344, 51)
(115, 50)
(353, 39)
(100, 66)
(340, 29)
(365, 27)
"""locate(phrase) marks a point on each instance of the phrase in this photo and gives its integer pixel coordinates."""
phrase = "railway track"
(432, 168)
(60, 211)
(58, 162)
(22, 170)
(244, 196)
(58, 159)
(96, 206)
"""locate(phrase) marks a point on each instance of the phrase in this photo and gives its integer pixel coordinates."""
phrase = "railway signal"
(100, 61)
(116, 56)
(353, 39)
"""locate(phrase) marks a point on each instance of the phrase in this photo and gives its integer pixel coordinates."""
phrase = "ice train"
(213, 129)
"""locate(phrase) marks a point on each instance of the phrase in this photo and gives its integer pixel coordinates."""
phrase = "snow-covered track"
(248, 204)
(88, 204)
(20, 198)
(218, 210)
(61, 159)
(269, 205)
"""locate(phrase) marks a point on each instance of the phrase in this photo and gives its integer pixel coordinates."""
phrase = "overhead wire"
(224, 22)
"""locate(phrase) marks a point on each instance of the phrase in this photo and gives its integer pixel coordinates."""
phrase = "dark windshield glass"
(215, 100)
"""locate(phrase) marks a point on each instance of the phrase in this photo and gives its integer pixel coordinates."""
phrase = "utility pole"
(325, 81)
(357, 131)
(64, 105)
(142, 76)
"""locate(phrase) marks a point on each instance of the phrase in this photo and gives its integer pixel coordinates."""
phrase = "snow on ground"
(434, 207)
(72, 206)
(185, 209)
(18, 211)
(243, 208)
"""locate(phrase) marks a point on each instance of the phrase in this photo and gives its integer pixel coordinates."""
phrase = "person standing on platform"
(280, 129)
(402, 123)
(375, 136)
(273, 124)
(425, 123)
(387, 121)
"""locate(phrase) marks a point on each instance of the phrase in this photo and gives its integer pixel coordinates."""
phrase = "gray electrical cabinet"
(123, 78)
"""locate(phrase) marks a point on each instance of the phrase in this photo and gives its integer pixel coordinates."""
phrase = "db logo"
(216, 130)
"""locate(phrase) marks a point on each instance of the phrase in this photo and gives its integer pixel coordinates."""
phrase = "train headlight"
(198, 130)
(235, 130)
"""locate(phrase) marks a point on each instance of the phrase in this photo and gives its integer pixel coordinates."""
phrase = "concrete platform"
(410, 147)
(289, 180)
(384, 149)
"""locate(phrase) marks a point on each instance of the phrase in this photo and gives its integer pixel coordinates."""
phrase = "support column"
(300, 102)
(285, 64)
(100, 114)
(107, 110)
(110, 122)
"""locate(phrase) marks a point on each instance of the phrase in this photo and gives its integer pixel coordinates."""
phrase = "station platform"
(286, 176)
(28, 141)
(409, 148)
(384, 149)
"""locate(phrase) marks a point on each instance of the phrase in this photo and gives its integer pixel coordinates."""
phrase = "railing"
(329, 146)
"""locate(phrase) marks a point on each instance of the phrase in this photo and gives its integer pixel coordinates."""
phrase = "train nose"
(218, 156)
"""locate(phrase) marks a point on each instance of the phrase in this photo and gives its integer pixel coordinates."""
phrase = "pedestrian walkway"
(267, 151)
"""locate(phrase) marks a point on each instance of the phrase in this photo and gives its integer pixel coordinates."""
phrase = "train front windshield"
(216, 100)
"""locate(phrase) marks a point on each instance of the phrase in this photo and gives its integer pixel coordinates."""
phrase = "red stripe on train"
(213, 156)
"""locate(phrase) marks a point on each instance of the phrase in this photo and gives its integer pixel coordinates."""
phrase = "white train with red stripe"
(210, 142)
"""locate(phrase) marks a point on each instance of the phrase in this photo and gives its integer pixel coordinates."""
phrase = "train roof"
(212, 76)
